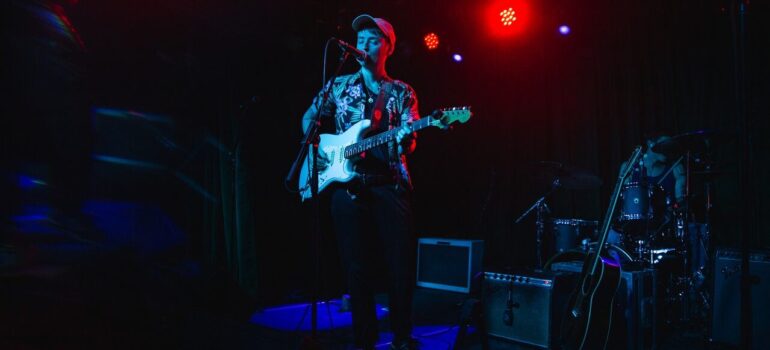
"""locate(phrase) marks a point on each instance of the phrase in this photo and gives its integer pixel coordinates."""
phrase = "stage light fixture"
(508, 16)
(431, 41)
(564, 29)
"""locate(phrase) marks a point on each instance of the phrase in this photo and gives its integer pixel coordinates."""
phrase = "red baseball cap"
(364, 20)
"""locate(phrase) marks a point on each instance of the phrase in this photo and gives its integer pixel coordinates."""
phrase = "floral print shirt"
(350, 101)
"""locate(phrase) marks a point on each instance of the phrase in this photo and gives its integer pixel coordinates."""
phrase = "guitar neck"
(606, 224)
(383, 138)
(611, 209)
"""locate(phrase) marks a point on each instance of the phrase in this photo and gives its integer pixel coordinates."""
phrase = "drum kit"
(650, 229)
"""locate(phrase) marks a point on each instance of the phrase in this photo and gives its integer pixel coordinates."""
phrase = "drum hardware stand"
(683, 283)
(542, 211)
(640, 250)
(585, 245)
(680, 286)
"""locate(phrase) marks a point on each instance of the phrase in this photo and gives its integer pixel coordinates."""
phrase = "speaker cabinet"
(634, 318)
(528, 307)
(726, 319)
(448, 264)
(636, 309)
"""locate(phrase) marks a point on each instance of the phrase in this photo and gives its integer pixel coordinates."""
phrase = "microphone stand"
(311, 139)
(738, 10)
(542, 209)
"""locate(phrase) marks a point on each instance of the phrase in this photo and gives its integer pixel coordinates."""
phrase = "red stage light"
(507, 18)
(431, 41)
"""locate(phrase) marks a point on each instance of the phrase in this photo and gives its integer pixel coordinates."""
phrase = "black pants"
(373, 217)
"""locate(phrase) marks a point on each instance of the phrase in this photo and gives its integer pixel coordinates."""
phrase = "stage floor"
(57, 292)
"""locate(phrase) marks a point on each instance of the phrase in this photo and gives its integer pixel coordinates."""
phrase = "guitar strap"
(377, 123)
(379, 104)
(377, 112)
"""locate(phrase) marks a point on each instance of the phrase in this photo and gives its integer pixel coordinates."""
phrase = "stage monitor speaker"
(726, 318)
(526, 308)
(448, 264)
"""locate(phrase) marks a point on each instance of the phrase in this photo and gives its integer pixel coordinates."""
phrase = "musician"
(46, 109)
(659, 170)
(374, 210)
(665, 184)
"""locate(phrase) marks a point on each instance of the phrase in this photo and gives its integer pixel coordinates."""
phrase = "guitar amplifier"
(726, 318)
(448, 264)
(634, 315)
(526, 308)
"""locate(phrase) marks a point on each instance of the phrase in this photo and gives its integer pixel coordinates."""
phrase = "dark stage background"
(231, 80)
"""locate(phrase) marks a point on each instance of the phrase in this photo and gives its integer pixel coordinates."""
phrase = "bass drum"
(611, 253)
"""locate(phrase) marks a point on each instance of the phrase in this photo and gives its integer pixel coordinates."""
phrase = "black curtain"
(586, 100)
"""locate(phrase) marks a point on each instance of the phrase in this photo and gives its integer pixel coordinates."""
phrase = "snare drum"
(568, 233)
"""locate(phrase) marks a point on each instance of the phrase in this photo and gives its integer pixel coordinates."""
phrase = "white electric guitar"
(341, 148)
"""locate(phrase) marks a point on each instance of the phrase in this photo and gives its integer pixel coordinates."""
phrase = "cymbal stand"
(542, 211)
(708, 183)
(641, 251)
(682, 283)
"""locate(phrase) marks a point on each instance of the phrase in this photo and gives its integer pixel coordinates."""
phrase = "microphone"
(359, 54)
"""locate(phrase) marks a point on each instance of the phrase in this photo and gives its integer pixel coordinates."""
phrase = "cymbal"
(697, 141)
(569, 177)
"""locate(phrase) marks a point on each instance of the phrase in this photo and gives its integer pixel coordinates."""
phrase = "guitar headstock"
(448, 116)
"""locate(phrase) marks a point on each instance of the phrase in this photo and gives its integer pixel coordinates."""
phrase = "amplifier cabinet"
(528, 307)
(726, 318)
(448, 264)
